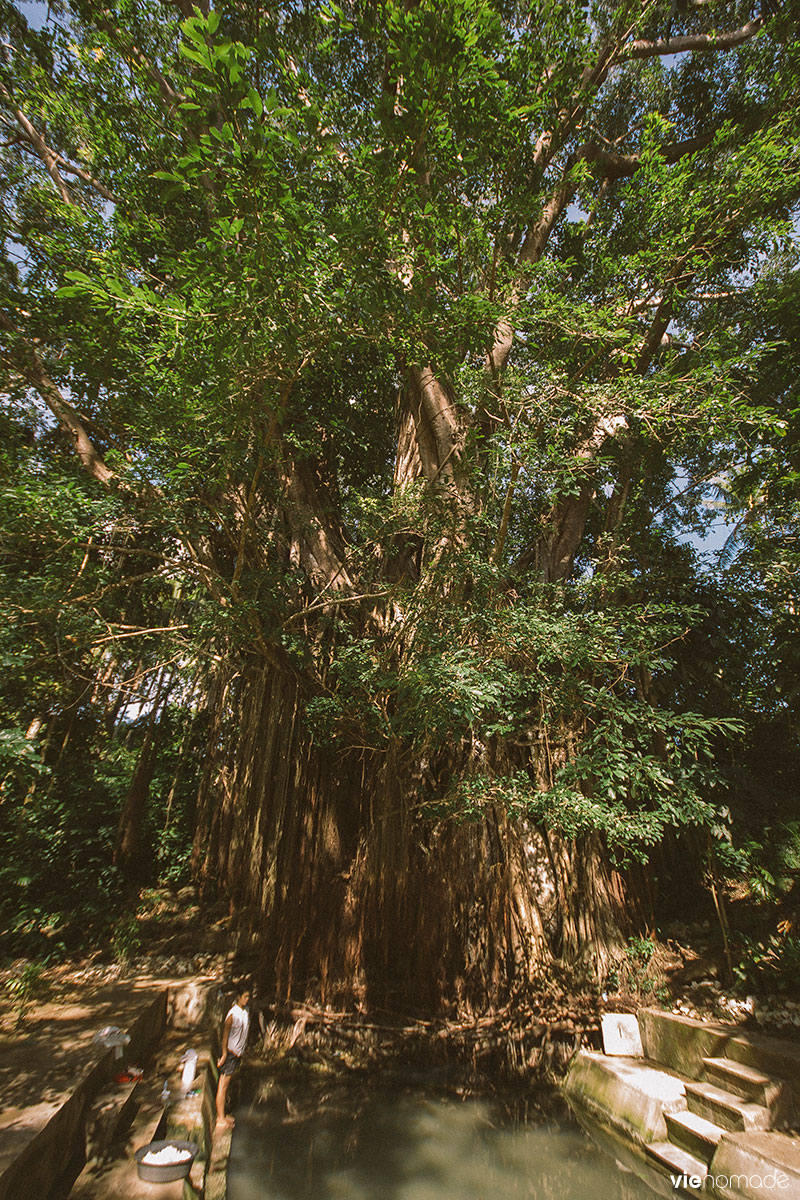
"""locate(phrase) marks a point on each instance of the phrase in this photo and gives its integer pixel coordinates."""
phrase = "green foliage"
(636, 972)
(25, 987)
(174, 855)
(126, 941)
(640, 950)
(262, 224)
(769, 965)
(20, 761)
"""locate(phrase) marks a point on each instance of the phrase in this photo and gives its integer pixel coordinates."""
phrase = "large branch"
(53, 162)
(531, 250)
(47, 156)
(83, 174)
(33, 371)
(569, 515)
(539, 231)
(439, 436)
(684, 43)
(316, 541)
(615, 166)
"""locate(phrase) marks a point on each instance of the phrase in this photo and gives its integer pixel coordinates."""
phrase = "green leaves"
(223, 59)
(253, 100)
(311, 207)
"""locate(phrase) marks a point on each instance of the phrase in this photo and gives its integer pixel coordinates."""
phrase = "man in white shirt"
(234, 1039)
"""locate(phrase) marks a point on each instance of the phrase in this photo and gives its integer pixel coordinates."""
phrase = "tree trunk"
(349, 894)
(129, 849)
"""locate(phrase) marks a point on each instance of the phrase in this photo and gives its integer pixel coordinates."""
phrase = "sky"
(34, 11)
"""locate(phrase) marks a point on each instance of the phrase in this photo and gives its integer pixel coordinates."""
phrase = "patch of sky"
(710, 540)
(671, 61)
(36, 12)
(576, 214)
(18, 254)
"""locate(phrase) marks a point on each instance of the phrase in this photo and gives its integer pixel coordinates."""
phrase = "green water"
(397, 1144)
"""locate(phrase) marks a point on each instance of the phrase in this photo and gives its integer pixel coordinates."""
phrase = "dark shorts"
(230, 1064)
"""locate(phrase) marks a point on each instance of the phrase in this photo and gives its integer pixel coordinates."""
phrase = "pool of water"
(394, 1143)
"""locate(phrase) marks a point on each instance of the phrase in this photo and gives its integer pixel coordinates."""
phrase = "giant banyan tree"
(394, 349)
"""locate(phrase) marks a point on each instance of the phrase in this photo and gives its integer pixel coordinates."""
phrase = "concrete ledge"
(682, 1043)
(629, 1095)
(56, 1152)
(756, 1166)
(217, 1173)
(216, 1180)
(194, 1118)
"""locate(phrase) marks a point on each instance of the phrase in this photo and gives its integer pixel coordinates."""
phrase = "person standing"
(234, 1039)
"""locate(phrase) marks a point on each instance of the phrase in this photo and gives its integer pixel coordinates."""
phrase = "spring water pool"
(385, 1143)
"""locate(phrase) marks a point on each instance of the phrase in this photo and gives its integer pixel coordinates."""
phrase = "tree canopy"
(406, 352)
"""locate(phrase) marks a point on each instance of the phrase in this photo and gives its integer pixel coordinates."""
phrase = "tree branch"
(48, 157)
(53, 161)
(33, 370)
(130, 51)
(691, 41)
(74, 169)
(615, 166)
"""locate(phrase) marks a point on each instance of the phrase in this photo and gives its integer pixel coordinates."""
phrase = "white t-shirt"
(240, 1026)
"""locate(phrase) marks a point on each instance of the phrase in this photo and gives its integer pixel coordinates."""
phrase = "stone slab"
(681, 1043)
(630, 1095)
(191, 1004)
(621, 1035)
(679, 1163)
(756, 1166)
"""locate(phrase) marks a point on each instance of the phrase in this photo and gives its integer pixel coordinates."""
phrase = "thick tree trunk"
(350, 895)
(129, 849)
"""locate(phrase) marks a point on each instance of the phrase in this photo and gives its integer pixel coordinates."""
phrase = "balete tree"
(389, 354)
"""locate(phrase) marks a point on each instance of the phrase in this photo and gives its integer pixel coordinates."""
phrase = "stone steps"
(680, 1165)
(704, 1102)
(743, 1081)
(725, 1108)
(694, 1134)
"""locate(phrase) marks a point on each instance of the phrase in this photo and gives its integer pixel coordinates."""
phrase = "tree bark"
(348, 894)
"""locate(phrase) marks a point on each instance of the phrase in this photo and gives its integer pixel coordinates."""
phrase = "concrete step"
(743, 1081)
(694, 1133)
(725, 1108)
(687, 1173)
(110, 1115)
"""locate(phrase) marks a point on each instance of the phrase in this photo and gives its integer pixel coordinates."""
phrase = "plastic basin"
(169, 1171)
